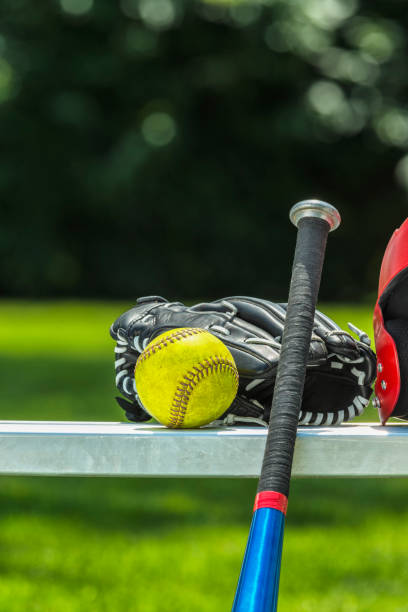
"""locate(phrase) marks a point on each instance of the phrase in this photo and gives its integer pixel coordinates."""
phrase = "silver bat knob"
(315, 208)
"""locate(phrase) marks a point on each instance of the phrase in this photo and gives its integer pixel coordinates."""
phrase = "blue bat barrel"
(258, 583)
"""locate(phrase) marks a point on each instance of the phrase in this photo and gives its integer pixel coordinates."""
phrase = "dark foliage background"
(154, 146)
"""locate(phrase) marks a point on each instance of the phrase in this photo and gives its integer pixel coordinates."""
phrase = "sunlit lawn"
(76, 545)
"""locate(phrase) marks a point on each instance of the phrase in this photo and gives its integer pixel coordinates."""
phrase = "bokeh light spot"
(158, 129)
(328, 14)
(392, 127)
(377, 39)
(158, 14)
(335, 110)
(325, 97)
(348, 65)
(243, 13)
(302, 38)
(378, 45)
(76, 7)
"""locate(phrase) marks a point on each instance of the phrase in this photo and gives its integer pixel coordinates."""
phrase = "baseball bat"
(258, 584)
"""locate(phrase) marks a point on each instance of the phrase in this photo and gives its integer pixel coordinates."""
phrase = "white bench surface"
(65, 448)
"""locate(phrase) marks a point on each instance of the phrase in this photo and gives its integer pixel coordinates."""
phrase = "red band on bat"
(271, 499)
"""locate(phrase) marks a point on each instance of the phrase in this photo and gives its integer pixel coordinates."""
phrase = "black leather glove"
(339, 374)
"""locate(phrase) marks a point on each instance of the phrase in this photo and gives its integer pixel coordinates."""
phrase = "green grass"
(82, 545)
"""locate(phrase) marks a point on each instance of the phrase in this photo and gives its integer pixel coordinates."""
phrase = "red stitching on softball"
(185, 387)
(177, 334)
(183, 393)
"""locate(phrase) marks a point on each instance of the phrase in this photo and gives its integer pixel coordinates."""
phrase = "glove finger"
(338, 341)
(122, 326)
(265, 315)
(134, 412)
(330, 399)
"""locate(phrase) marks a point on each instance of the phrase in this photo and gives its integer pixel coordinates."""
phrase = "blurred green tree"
(155, 146)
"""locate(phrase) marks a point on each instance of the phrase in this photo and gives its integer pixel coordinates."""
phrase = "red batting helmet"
(391, 329)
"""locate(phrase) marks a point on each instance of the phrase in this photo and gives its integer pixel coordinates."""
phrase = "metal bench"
(58, 448)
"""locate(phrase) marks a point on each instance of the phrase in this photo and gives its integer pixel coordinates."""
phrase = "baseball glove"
(339, 374)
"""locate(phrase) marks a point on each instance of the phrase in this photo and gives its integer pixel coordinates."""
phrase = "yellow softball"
(186, 377)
